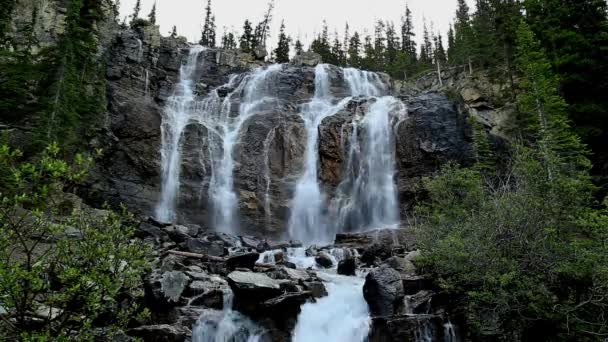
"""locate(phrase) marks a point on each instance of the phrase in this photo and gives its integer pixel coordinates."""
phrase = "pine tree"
(281, 53)
(451, 42)
(392, 43)
(368, 62)
(408, 44)
(246, 40)
(321, 45)
(228, 40)
(263, 28)
(298, 47)
(440, 53)
(463, 35)
(152, 15)
(575, 36)
(354, 51)
(346, 40)
(136, 10)
(379, 46)
(174, 32)
(208, 34)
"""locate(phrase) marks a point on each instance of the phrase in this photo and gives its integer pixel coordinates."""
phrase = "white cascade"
(225, 326)
(254, 93)
(267, 200)
(175, 117)
(341, 316)
(307, 222)
(367, 196)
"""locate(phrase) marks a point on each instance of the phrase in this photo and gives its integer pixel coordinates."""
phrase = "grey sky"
(303, 18)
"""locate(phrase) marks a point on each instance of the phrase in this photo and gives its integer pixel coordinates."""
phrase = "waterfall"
(176, 115)
(367, 196)
(225, 326)
(307, 222)
(267, 201)
(254, 93)
(342, 316)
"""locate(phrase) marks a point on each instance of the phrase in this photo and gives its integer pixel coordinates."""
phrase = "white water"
(307, 222)
(254, 92)
(267, 200)
(225, 326)
(367, 196)
(176, 115)
(342, 316)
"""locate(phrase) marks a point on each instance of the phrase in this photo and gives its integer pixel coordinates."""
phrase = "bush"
(67, 272)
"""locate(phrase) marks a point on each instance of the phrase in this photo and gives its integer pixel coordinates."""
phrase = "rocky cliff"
(143, 70)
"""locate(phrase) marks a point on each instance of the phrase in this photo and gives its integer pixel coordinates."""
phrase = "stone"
(246, 260)
(406, 328)
(307, 58)
(376, 252)
(324, 260)
(253, 284)
(316, 288)
(383, 291)
(213, 299)
(347, 267)
(159, 333)
(213, 248)
(470, 95)
(260, 52)
(402, 265)
(173, 285)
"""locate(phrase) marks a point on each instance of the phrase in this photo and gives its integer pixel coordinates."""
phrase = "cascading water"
(342, 316)
(225, 326)
(176, 115)
(254, 92)
(307, 222)
(267, 209)
(367, 196)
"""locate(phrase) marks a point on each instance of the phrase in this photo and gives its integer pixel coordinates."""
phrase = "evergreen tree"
(575, 36)
(228, 40)
(152, 15)
(354, 51)
(440, 53)
(298, 47)
(451, 43)
(321, 45)
(408, 44)
(247, 38)
(368, 61)
(174, 32)
(346, 41)
(136, 11)
(263, 28)
(463, 34)
(281, 53)
(426, 50)
(208, 34)
(392, 44)
(379, 46)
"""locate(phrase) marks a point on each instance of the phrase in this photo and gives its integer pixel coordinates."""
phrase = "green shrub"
(66, 271)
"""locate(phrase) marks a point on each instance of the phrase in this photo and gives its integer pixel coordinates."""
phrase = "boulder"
(316, 288)
(324, 260)
(383, 291)
(407, 328)
(347, 267)
(256, 286)
(246, 260)
(213, 248)
(376, 252)
(308, 58)
(401, 265)
(173, 285)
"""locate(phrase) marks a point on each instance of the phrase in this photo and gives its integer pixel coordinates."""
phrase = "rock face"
(142, 73)
(383, 291)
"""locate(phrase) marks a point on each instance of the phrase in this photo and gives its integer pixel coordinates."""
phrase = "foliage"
(528, 252)
(208, 34)
(64, 270)
(281, 53)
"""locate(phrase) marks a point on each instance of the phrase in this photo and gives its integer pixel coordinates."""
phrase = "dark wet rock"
(412, 284)
(324, 260)
(246, 260)
(316, 288)
(213, 299)
(213, 248)
(383, 291)
(420, 303)
(147, 230)
(402, 265)
(376, 252)
(160, 333)
(406, 328)
(347, 267)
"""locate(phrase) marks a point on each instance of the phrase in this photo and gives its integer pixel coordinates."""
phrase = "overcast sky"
(303, 18)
